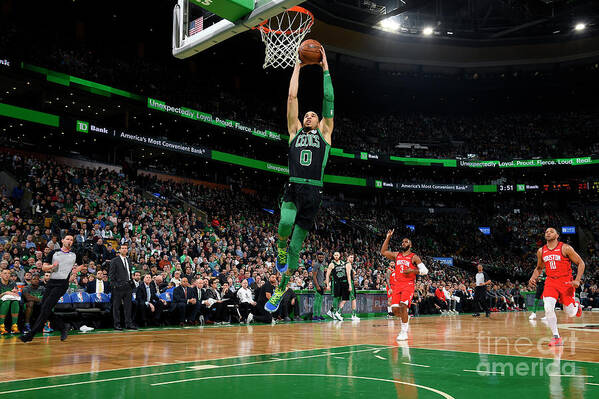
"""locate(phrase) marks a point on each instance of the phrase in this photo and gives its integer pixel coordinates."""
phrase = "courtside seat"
(100, 301)
(82, 302)
(64, 308)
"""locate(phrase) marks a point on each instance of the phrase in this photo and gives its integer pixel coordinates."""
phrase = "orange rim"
(302, 10)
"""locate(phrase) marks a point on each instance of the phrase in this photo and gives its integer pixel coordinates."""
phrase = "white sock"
(552, 321)
(550, 314)
(404, 327)
(388, 309)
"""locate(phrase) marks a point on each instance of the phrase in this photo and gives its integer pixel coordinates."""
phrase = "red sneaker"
(579, 313)
(556, 342)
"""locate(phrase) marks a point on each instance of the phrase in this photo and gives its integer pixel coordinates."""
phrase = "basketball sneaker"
(14, 329)
(556, 342)
(402, 336)
(330, 314)
(249, 319)
(338, 316)
(275, 300)
(532, 316)
(282, 261)
(3, 330)
(355, 318)
(579, 313)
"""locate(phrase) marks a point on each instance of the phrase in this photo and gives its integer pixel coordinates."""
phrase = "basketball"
(309, 52)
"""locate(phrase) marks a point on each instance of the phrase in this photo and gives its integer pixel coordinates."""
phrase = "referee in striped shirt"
(480, 293)
(61, 263)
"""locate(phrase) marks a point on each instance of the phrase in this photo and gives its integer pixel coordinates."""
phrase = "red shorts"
(560, 289)
(402, 293)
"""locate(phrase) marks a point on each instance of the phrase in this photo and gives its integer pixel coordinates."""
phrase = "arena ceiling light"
(580, 26)
(427, 31)
(389, 24)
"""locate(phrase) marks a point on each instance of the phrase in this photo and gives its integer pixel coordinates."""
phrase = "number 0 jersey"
(556, 264)
(308, 155)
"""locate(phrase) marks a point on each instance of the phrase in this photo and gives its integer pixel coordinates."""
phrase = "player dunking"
(557, 258)
(309, 146)
(407, 266)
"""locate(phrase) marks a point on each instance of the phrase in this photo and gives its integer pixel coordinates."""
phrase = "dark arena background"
(146, 142)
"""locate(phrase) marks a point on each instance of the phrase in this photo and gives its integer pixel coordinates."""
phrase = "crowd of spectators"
(229, 245)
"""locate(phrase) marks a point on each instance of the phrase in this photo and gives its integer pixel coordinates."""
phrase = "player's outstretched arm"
(293, 123)
(385, 248)
(538, 269)
(577, 260)
(328, 100)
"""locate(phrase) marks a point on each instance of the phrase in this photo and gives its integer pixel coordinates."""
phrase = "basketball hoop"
(282, 35)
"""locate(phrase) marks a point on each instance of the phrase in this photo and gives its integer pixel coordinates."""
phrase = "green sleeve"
(328, 99)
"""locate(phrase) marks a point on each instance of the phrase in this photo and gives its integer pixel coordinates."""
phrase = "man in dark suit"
(148, 304)
(98, 285)
(122, 288)
(185, 301)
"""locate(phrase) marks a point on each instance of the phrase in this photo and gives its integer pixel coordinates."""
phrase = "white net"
(282, 36)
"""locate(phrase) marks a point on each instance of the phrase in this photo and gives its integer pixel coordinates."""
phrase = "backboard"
(195, 29)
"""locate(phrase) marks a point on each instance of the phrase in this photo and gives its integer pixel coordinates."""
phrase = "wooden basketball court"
(445, 357)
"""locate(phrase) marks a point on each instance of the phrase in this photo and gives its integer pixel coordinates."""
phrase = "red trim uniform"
(559, 275)
(403, 290)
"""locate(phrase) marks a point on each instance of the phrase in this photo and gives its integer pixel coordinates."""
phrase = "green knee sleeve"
(288, 213)
(4, 307)
(297, 240)
(14, 309)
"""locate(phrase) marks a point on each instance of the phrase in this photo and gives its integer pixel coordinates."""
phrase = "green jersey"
(7, 287)
(36, 292)
(308, 155)
(339, 272)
